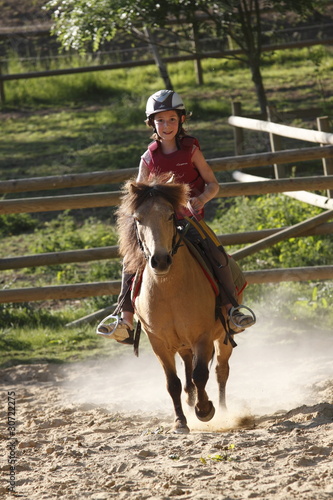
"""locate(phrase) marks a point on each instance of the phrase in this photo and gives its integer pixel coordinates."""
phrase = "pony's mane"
(134, 194)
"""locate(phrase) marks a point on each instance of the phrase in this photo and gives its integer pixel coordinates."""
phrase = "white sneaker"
(118, 330)
(240, 321)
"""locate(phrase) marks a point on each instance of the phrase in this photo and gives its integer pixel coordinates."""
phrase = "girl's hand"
(196, 204)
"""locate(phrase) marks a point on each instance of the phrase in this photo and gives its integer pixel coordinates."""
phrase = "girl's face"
(166, 124)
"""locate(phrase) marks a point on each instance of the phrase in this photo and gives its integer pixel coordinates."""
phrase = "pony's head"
(145, 221)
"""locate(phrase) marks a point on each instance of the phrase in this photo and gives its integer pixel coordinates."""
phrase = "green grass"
(54, 345)
(95, 121)
(40, 334)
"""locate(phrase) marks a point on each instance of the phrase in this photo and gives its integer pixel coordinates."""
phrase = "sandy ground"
(102, 429)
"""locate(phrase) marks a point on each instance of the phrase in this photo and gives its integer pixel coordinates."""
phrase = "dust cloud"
(277, 365)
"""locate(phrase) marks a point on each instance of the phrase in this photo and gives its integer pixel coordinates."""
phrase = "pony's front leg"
(174, 387)
(204, 409)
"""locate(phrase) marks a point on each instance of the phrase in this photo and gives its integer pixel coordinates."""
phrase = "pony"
(176, 302)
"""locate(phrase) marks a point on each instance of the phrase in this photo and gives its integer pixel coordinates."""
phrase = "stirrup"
(112, 331)
(238, 308)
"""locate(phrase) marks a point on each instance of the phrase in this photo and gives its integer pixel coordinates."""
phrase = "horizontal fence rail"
(70, 180)
(112, 252)
(291, 274)
(196, 56)
(170, 59)
(113, 287)
(227, 163)
(110, 199)
(304, 196)
(283, 130)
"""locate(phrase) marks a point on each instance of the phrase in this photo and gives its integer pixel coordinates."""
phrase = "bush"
(14, 224)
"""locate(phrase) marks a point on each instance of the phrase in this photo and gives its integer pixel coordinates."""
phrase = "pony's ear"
(171, 179)
(133, 188)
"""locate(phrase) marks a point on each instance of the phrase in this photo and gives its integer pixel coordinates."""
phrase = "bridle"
(177, 239)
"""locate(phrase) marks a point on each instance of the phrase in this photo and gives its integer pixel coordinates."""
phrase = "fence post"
(2, 88)
(236, 110)
(275, 142)
(323, 125)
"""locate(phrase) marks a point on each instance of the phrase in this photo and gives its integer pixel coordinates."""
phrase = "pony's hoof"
(180, 428)
(205, 417)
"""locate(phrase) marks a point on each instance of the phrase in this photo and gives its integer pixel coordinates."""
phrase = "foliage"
(307, 303)
(16, 224)
(274, 211)
(18, 315)
(79, 24)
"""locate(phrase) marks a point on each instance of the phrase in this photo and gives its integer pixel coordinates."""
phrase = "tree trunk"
(259, 87)
(158, 60)
(197, 61)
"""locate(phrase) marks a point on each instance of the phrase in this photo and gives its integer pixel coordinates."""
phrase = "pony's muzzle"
(160, 262)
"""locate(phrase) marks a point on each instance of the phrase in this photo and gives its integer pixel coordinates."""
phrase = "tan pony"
(176, 302)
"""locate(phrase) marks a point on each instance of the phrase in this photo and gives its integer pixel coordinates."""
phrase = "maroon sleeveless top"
(179, 163)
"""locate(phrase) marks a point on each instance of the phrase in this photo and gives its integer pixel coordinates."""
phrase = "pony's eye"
(137, 220)
(171, 217)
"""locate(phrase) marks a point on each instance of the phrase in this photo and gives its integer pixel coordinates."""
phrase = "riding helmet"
(164, 100)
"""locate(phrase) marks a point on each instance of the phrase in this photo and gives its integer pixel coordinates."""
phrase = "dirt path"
(101, 429)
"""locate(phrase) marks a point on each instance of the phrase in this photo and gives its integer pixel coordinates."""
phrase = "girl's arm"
(212, 186)
(143, 172)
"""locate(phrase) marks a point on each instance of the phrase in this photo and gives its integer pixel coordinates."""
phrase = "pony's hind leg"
(189, 388)
(223, 353)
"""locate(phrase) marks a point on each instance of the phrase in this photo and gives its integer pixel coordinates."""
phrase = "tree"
(242, 20)
(79, 23)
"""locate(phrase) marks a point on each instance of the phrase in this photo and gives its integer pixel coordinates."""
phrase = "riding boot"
(220, 263)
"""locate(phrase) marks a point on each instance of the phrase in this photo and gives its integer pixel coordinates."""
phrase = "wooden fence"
(249, 185)
(195, 56)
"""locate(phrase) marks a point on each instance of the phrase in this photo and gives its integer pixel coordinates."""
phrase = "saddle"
(201, 252)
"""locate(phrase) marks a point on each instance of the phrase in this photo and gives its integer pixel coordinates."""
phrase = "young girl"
(174, 151)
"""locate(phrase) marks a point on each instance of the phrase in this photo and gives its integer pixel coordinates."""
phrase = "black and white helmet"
(164, 100)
